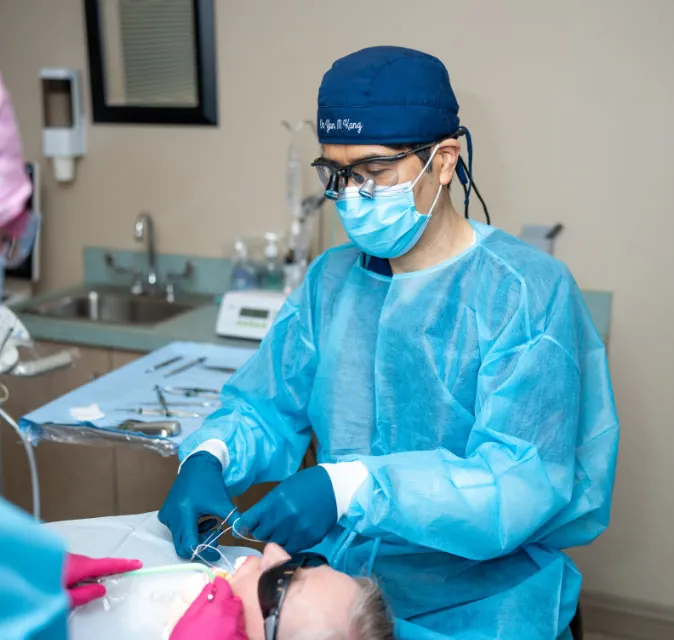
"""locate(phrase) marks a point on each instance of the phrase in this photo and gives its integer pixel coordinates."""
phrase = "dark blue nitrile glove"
(199, 490)
(297, 514)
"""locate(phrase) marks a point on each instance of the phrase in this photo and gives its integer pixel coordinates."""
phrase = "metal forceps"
(193, 392)
(172, 413)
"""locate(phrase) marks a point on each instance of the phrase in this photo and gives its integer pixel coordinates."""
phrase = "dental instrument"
(181, 403)
(162, 400)
(219, 369)
(193, 392)
(163, 364)
(185, 367)
(173, 413)
(160, 429)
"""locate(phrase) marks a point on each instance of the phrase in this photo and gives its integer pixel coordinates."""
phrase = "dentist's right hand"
(199, 490)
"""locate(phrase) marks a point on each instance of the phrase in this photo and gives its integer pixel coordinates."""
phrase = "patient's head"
(321, 603)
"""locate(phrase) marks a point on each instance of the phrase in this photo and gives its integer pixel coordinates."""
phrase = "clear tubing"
(35, 484)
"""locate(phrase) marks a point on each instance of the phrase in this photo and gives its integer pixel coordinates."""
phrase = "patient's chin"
(244, 585)
(189, 592)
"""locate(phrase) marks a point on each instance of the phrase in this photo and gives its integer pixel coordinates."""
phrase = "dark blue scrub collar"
(380, 266)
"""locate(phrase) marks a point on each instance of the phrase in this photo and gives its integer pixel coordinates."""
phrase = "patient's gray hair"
(371, 618)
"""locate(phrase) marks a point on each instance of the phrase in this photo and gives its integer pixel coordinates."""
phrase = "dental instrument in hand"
(214, 527)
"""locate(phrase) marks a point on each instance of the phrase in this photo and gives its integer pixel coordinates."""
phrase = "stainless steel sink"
(116, 306)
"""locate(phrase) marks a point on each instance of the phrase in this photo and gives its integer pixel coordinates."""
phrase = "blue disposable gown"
(477, 394)
(33, 601)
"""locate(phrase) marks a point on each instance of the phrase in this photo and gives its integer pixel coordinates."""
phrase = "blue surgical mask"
(387, 225)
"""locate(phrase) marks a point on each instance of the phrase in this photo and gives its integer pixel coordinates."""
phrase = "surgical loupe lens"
(332, 188)
(367, 190)
(324, 174)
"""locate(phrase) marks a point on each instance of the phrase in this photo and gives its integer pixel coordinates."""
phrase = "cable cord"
(35, 485)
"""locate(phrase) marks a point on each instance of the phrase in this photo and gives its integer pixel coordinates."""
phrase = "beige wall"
(570, 105)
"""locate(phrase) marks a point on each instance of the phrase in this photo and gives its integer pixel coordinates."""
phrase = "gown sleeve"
(33, 601)
(263, 421)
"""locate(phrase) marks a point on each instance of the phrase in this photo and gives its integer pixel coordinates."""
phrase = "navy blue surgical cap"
(386, 95)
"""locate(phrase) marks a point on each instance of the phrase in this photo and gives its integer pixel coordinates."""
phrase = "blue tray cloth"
(130, 387)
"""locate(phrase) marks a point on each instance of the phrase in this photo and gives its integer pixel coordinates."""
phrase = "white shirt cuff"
(346, 478)
(216, 448)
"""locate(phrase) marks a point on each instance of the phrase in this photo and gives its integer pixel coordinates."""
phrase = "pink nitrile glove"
(216, 614)
(80, 568)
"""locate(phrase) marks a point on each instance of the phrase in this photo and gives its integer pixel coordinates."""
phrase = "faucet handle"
(187, 272)
(137, 285)
(115, 268)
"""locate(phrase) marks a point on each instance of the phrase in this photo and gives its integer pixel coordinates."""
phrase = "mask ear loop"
(437, 197)
(469, 145)
(428, 164)
(423, 171)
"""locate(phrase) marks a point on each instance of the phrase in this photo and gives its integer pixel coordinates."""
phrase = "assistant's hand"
(216, 614)
(297, 514)
(80, 568)
(199, 490)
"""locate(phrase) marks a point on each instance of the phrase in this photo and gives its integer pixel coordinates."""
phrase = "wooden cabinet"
(75, 482)
(78, 481)
(143, 477)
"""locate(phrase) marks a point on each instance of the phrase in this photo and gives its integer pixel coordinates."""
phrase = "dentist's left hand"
(297, 514)
(78, 569)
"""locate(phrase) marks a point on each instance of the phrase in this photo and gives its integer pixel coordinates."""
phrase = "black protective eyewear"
(334, 176)
(274, 584)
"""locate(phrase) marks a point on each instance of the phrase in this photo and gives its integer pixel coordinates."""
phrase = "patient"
(320, 604)
(317, 602)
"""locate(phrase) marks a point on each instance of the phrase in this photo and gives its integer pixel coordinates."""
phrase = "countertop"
(194, 326)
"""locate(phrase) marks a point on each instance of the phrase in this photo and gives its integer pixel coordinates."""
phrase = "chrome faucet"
(145, 231)
(148, 284)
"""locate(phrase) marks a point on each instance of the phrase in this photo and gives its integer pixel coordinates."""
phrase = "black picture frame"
(205, 113)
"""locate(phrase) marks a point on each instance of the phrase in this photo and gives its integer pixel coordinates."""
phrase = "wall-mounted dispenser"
(64, 133)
